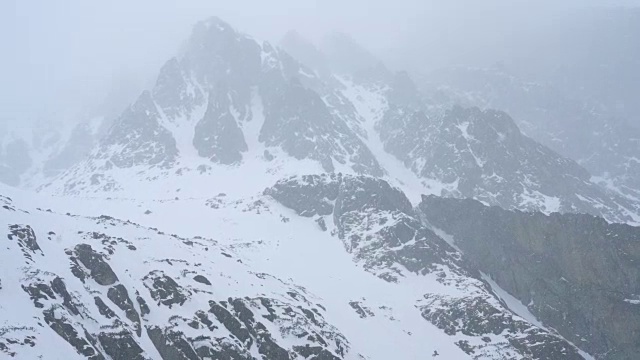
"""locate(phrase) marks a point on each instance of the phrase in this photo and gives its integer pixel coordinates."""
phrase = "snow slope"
(234, 113)
(246, 207)
(253, 249)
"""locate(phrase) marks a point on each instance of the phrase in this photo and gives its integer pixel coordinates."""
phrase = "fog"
(62, 59)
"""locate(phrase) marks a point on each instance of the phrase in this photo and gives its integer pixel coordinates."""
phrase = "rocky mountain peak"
(568, 269)
(347, 216)
(216, 51)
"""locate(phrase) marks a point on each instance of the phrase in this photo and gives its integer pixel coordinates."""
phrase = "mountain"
(576, 273)
(251, 206)
(77, 292)
(483, 155)
(560, 117)
(33, 154)
(99, 287)
(464, 152)
(229, 107)
(227, 100)
(30, 156)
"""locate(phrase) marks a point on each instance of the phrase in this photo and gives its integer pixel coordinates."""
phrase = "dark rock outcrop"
(118, 295)
(308, 195)
(218, 136)
(171, 344)
(142, 139)
(26, 240)
(577, 273)
(68, 332)
(100, 270)
(482, 154)
(121, 346)
(165, 290)
(202, 279)
(378, 225)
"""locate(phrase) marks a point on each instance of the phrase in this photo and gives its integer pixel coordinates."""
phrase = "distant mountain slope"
(79, 287)
(575, 272)
(229, 107)
(249, 206)
(225, 98)
(269, 285)
(483, 155)
(586, 130)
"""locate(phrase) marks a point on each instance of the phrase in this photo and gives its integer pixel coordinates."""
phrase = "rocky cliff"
(575, 272)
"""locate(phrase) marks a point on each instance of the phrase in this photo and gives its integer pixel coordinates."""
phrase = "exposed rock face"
(121, 346)
(118, 295)
(33, 153)
(202, 279)
(314, 195)
(218, 52)
(142, 138)
(59, 310)
(111, 299)
(99, 269)
(298, 120)
(228, 102)
(561, 119)
(66, 331)
(164, 289)
(577, 273)
(483, 155)
(229, 105)
(26, 239)
(378, 225)
(478, 317)
(464, 151)
(171, 346)
(217, 135)
(223, 83)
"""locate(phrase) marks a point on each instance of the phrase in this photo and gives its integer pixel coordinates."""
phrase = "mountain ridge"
(200, 110)
(311, 186)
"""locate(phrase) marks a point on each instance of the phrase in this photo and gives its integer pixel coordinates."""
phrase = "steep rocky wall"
(577, 273)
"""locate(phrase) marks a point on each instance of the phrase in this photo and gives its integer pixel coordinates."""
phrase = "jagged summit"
(229, 106)
(226, 100)
(251, 206)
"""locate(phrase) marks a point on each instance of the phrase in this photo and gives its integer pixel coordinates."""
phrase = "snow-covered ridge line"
(229, 107)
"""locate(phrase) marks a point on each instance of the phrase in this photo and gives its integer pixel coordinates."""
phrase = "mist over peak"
(292, 180)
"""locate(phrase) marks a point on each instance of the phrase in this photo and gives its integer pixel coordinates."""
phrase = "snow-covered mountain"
(330, 267)
(230, 107)
(253, 206)
(583, 129)
(33, 152)
(226, 101)
(580, 274)
(32, 155)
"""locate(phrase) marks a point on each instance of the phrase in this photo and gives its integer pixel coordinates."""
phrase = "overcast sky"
(61, 56)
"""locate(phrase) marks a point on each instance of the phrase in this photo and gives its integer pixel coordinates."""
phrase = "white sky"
(59, 56)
